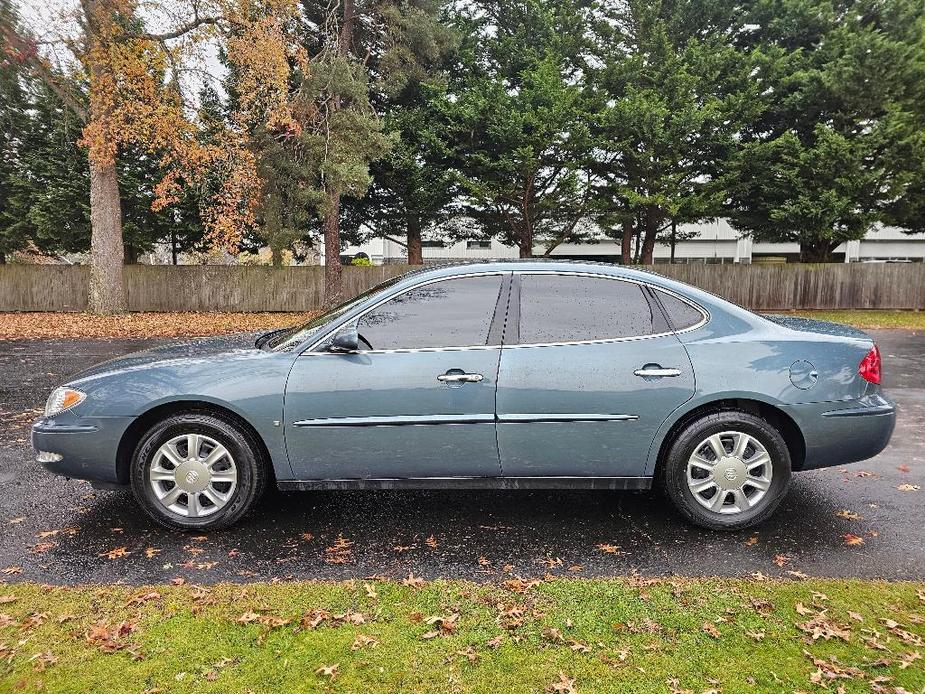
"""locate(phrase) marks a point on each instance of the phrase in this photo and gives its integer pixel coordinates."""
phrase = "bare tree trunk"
(674, 238)
(525, 241)
(276, 255)
(107, 286)
(415, 252)
(652, 220)
(2, 258)
(626, 243)
(333, 287)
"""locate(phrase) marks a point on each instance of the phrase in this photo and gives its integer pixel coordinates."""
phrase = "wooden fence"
(235, 288)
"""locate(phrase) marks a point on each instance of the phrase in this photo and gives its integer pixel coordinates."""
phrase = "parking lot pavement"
(58, 531)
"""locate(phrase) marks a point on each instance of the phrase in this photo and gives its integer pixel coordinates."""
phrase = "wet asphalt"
(58, 531)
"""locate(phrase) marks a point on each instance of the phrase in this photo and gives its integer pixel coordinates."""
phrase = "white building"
(714, 242)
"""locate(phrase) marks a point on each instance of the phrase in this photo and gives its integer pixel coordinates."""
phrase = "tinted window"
(451, 313)
(563, 308)
(682, 315)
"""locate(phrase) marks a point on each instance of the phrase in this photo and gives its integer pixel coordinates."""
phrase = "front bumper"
(88, 446)
(837, 433)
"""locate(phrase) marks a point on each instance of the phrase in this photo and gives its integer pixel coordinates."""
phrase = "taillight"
(869, 368)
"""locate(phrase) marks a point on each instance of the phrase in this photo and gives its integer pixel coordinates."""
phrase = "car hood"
(177, 351)
(821, 327)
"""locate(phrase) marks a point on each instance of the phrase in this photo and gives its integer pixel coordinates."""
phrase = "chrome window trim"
(482, 273)
(409, 350)
(609, 340)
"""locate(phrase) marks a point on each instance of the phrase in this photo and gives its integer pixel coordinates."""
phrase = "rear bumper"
(86, 447)
(837, 433)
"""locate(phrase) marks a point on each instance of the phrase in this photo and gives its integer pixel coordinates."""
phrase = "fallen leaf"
(564, 685)
(822, 627)
(903, 468)
(431, 542)
(848, 515)
(370, 591)
(40, 661)
(710, 629)
(363, 641)
(115, 553)
(11, 570)
(752, 541)
(413, 581)
(908, 487)
(152, 552)
(329, 671)
(609, 549)
(781, 559)
(853, 540)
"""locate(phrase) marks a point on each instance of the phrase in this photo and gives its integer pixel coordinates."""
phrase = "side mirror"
(345, 341)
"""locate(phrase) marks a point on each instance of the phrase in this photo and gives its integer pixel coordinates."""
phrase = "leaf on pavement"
(848, 515)
(908, 487)
(115, 553)
(853, 540)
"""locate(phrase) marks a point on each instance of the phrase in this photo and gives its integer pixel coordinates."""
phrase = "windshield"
(292, 337)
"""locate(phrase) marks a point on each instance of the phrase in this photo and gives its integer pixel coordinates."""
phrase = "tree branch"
(27, 53)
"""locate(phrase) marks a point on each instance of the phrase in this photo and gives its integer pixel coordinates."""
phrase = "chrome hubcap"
(729, 472)
(193, 475)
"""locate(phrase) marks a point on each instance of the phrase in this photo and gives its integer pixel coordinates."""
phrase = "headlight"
(62, 399)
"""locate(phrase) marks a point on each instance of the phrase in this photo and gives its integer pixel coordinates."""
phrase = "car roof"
(544, 265)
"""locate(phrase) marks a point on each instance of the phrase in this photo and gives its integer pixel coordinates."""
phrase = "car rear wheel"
(197, 471)
(727, 470)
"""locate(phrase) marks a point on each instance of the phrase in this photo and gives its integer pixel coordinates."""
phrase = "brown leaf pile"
(49, 325)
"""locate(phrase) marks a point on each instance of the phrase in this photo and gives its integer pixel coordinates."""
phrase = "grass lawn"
(375, 636)
(909, 320)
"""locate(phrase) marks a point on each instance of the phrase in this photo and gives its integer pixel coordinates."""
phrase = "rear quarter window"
(681, 314)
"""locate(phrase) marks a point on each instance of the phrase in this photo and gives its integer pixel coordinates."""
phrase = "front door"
(417, 400)
(593, 372)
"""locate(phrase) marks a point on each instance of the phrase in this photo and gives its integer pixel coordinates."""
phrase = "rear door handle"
(459, 377)
(656, 372)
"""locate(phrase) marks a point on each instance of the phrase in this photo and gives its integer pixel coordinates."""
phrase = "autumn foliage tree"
(135, 100)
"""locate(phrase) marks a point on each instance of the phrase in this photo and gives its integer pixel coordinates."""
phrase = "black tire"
(252, 472)
(674, 470)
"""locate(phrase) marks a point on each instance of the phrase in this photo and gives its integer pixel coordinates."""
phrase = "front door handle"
(457, 376)
(656, 371)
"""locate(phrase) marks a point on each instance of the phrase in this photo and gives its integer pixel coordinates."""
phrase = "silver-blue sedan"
(494, 375)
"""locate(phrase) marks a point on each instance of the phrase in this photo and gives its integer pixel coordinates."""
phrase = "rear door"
(592, 372)
(418, 398)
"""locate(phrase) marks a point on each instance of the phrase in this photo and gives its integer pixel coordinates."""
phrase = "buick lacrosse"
(495, 375)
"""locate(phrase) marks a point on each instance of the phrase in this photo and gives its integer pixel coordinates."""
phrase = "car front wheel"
(197, 471)
(727, 470)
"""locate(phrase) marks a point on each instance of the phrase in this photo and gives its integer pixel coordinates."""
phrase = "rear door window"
(575, 308)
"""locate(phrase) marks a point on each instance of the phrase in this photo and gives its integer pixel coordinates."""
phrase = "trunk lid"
(820, 327)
